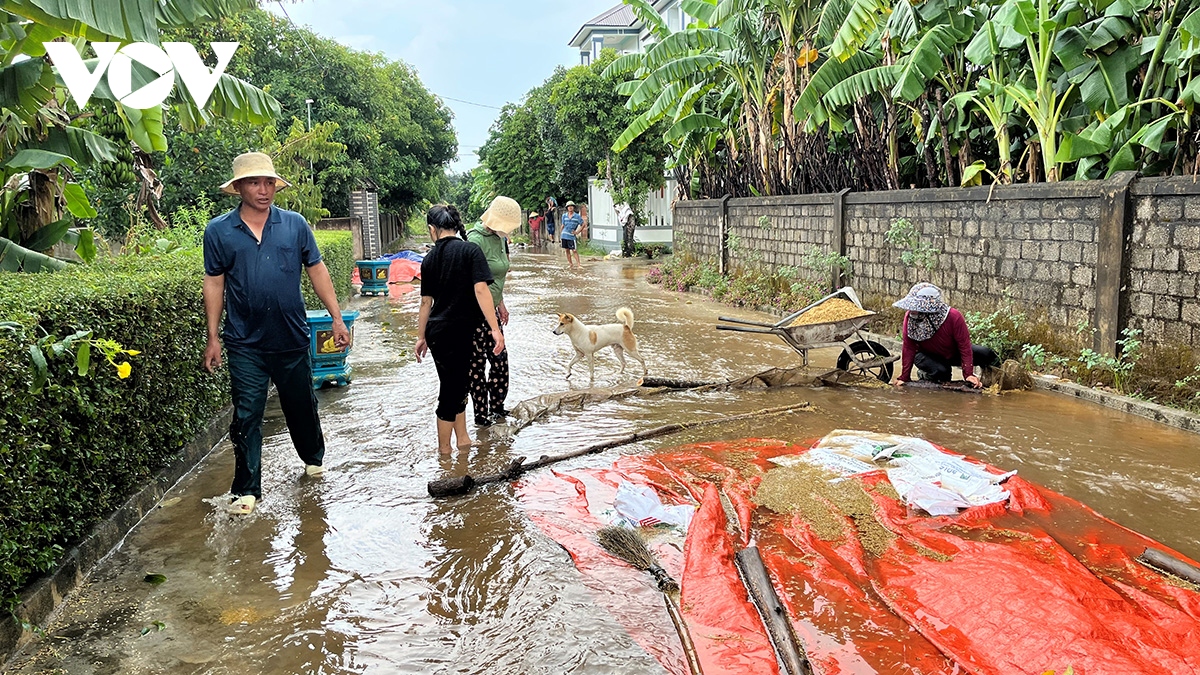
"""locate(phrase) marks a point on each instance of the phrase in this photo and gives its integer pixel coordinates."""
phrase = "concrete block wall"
(1111, 254)
(1163, 260)
(792, 227)
(697, 226)
(1034, 244)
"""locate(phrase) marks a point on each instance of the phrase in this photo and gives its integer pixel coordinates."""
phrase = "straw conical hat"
(252, 165)
(504, 215)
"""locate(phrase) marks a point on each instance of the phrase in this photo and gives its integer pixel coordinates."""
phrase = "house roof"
(621, 16)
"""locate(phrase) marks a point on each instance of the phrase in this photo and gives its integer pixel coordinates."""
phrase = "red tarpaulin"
(400, 272)
(1038, 583)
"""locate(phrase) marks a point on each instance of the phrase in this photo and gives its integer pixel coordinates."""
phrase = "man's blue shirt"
(570, 223)
(264, 310)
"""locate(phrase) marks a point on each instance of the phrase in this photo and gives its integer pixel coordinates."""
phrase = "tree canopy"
(396, 133)
(562, 133)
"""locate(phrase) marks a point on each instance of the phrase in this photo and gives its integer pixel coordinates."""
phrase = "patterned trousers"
(488, 389)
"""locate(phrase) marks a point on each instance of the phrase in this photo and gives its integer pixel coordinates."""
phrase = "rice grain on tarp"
(833, 309)
(807, 492)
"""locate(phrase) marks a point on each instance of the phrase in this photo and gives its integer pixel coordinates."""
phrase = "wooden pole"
(1161, 561)
(792, 660)
(461, 485)
(685, 635)
(668, 383)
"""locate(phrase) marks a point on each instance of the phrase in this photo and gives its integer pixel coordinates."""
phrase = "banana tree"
(35, 117)
(1035, 88)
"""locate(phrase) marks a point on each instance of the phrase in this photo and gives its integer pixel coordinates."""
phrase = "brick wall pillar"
(838, 244)
(723, 258)
(1110, 263)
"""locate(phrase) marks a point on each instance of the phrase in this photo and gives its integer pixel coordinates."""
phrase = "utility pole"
(311, 176)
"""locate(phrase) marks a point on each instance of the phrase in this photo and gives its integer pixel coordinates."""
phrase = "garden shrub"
(337, 249)
(75, 451)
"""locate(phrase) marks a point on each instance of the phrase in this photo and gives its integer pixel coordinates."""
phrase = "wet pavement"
(360, 571)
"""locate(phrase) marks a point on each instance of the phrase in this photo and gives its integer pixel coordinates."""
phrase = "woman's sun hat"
(252, 165)
(503, 216)
(924, 297)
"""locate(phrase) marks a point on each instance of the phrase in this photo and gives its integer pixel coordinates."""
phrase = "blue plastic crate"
(374, 276)
(329, 362)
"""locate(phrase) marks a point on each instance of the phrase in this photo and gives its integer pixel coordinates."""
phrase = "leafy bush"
(750, 285)
(337, 248)
(1091, 365)
(999, 330)
(915, 251)
(75, 450)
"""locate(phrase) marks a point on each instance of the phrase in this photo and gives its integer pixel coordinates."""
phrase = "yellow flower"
(124, 370)
(132, 352)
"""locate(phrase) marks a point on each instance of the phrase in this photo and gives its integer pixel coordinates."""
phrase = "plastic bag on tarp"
(826, 459)
(639, 506)
(924, 481)
(870, 446)
(934, 500)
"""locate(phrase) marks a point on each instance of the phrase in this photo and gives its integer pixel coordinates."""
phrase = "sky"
(485, 52)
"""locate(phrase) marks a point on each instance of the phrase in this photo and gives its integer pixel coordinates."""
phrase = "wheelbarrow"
(859, 355)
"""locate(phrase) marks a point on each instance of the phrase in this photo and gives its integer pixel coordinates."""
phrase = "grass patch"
(587, 249)
(752, 285)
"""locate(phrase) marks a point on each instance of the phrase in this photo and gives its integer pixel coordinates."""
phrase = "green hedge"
(75, 451)
(337, 248)
(72, 453)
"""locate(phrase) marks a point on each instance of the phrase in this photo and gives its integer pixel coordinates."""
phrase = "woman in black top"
(454, 300)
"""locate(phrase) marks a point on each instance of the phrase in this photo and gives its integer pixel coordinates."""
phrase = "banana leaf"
(15, 258)
(34, 158)
(683, 43)
(859, 85)
(692, 123)
(862, 20)
(922, 63)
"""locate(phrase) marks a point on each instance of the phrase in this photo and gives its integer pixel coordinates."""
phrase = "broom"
(630, 547)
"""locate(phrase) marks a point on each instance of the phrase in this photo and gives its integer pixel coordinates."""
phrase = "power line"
(481, 105)
(298, 31)
(314, 54)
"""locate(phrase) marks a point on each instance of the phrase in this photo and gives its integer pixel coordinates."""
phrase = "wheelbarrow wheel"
(866, 350)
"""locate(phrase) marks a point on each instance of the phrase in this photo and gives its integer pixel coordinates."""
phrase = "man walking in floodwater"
(252, 261)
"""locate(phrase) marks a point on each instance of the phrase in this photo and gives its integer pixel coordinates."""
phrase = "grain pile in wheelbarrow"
(833, 309)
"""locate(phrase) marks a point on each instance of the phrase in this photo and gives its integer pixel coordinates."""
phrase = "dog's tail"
(626, 316)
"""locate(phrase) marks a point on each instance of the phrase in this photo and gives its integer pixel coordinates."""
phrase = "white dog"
(588, 340)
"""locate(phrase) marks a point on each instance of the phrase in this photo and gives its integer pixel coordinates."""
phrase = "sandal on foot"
(242, 506)
(314, 470)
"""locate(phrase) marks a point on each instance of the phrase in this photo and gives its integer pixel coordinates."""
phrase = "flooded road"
(359, 571)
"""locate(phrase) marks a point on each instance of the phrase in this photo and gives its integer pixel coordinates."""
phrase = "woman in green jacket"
(490, 389)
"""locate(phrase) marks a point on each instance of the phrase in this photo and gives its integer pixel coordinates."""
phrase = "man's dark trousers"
(251, 373)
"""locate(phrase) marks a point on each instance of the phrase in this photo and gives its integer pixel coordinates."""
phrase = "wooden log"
(669, 383)
(461, 485)
(792, 660)
(685, 635)
(1161, 561)
(961, 387)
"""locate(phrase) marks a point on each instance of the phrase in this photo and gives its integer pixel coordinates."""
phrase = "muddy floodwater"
(360, 571)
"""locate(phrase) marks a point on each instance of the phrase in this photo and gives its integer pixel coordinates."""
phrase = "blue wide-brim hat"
(924, 297)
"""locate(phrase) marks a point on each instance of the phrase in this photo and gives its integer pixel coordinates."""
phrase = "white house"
(607, 233)
(620, 30)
